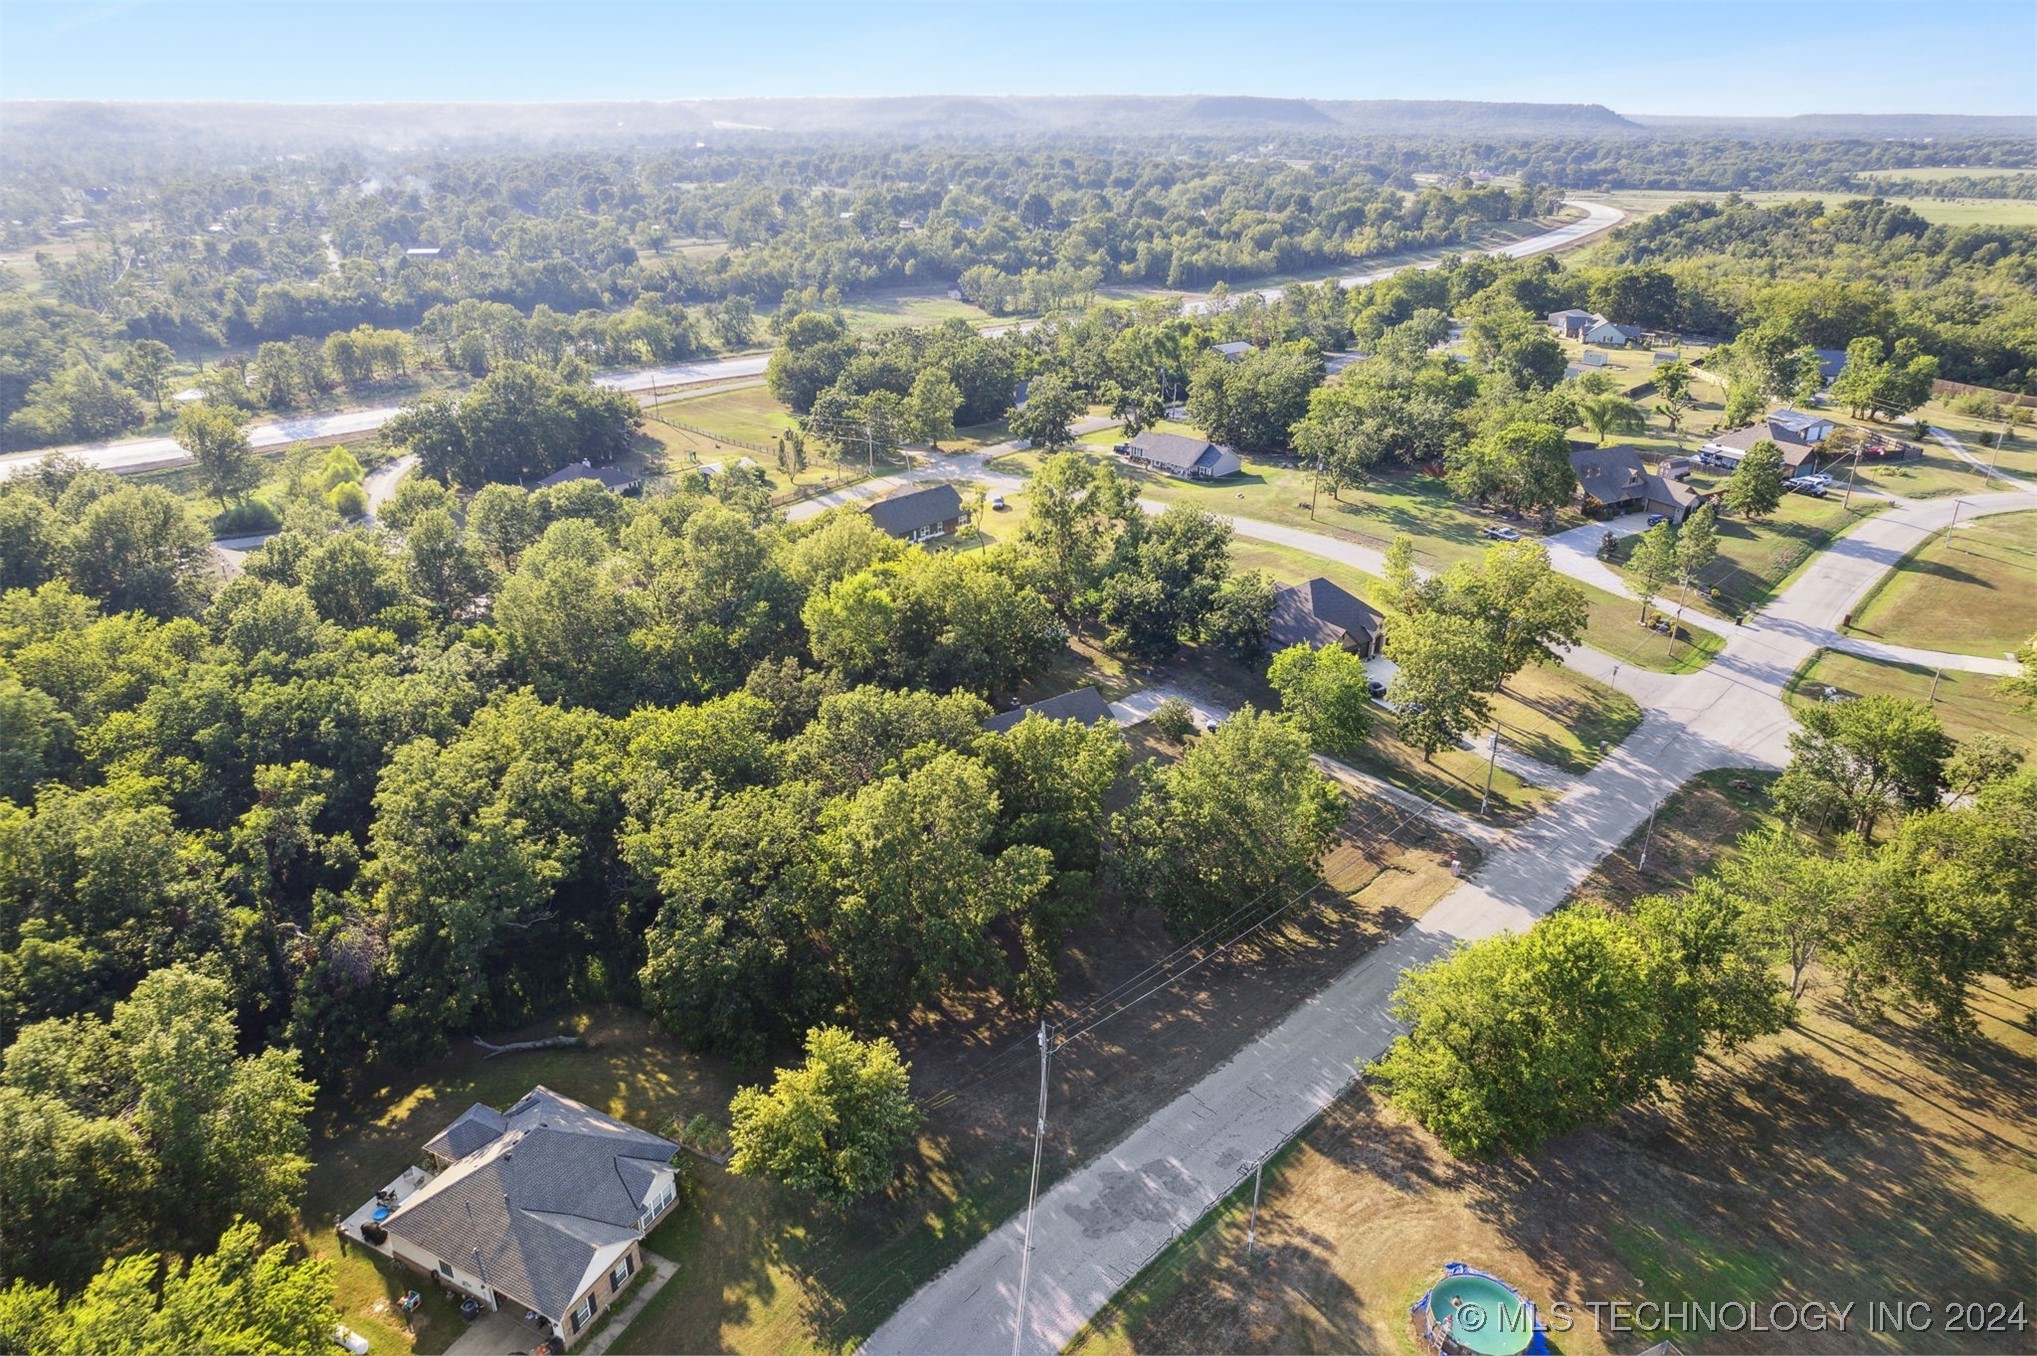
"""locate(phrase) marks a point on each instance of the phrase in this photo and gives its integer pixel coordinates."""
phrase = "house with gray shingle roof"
(1321, 613)
(1084, 704)
(1612, 481)
(541, 1209)
(918, 515)
(1177, 455)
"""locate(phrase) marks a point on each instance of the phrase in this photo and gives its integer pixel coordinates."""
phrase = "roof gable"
(1609, 474)
(906, 513)
(1085, 704)
(1318, 612)
(1173, 450)
(529, 1208)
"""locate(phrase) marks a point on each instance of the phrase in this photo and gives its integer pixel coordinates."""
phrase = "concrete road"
(1096, 1228)
(1597, 218)
(129, 455)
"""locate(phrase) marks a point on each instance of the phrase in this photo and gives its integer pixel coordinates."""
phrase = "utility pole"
(1851, 471)
(1490, 765)
(1936, 674)
(1252, 1221)
(1957, 505)
(1642, 865)
(1315, 485)
(1018, 1327)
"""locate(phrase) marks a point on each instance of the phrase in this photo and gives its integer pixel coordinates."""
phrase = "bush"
(1975, 404)
(1174, 719)
(248, 518)
(348, 499)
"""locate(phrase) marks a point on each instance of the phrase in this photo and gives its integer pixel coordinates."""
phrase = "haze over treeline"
(36, 128)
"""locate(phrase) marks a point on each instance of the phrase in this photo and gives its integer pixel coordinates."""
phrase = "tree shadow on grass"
(1774, 1177)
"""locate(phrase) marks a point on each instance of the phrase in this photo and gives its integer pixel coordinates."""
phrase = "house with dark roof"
(918, 515)
(541, 1209)
(1611, 481)
(1178, 455)
(1572, 324)
(1796, 434)
(1084, 704)
(608, 477)
(1321, 613)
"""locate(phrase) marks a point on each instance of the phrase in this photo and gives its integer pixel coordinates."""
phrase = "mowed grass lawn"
(1835, 1163)
(2017, 457)
(1967, 704)
(1757, 557)
(750, 413)
(1551, 713)
(1974, 594)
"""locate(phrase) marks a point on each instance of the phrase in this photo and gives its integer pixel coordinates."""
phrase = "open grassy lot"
(890, 310)
(1694, 828)
(761, 1269)
(1950, 211)
(750, 413)
(1934, 475)
(1967, 704)
(1973, 594)
(2017, 457)
(1835, 1163)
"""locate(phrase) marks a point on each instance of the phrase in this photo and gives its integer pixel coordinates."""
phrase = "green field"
(891, 310)
(1757, 558)
(1975, 593)
(1949, 211)
(1967, 704)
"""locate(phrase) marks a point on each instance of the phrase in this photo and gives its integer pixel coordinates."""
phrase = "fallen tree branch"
(549, 1043)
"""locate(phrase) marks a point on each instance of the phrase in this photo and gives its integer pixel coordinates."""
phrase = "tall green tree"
(1446, 666)
(1755, 489)
(834, 1127)
(226, 462)
(1052, 407)
(1653, 564)
(1610, 413)
(1324, 692)
(1243, 815)
(1857, 762)
(239, 1297)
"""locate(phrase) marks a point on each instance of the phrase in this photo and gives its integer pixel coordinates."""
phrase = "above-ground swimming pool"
(1479, 1314)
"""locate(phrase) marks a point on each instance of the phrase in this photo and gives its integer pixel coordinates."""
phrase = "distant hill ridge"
(419, 126)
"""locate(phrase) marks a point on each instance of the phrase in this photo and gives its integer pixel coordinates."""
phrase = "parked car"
(1501, 532)
(1809, 487)
(997, 502)
(1655, 518)
(1817, 478)
(1375, 688)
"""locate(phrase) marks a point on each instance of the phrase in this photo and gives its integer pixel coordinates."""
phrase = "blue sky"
(1634, 56)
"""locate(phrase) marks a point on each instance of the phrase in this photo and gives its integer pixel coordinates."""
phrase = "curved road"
(130, 455)
(1097, 1227)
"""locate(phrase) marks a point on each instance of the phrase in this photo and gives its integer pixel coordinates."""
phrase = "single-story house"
(1235, 352)
(1085, 704)
(1572, 324)
(1795, 434)
(918, 515)
(1611, 481)
(1607, 334)
(608, 477)
(541, 1208)
(1179, 455)
(1320, 613)
(1794, 426)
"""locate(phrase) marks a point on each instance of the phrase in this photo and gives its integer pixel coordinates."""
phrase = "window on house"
(446, 1270)
(583, 1313)
(621, 1274)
